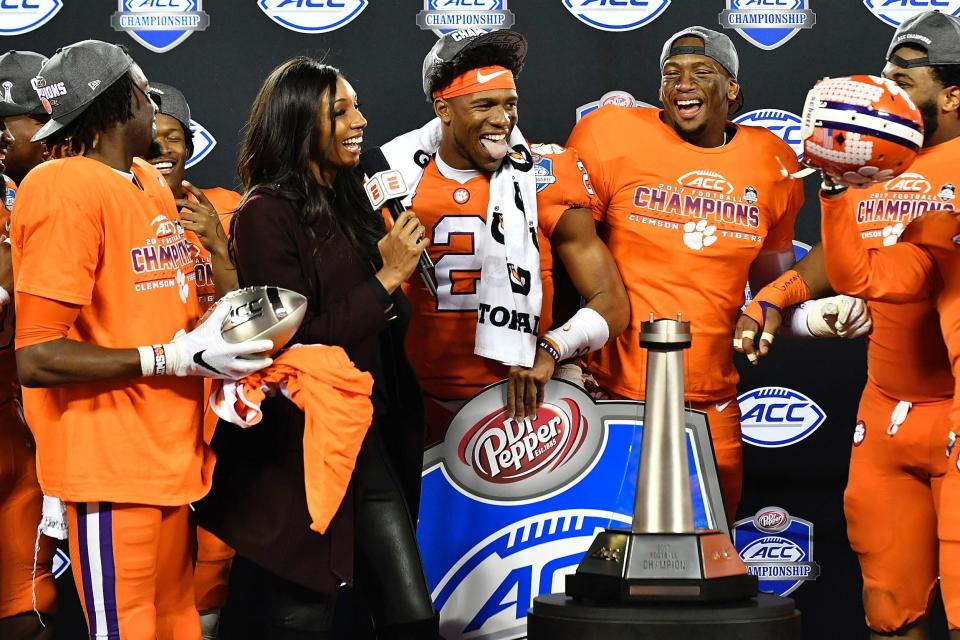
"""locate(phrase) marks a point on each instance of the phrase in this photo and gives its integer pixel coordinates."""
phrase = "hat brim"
(10, 109)
(52, 126)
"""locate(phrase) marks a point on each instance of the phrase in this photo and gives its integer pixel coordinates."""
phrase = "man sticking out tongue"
(494, 207)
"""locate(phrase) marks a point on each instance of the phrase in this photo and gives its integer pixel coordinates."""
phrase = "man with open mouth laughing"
(692, 206)
(469, 78)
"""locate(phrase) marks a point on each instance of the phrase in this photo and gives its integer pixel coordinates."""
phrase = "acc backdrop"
(572, 62)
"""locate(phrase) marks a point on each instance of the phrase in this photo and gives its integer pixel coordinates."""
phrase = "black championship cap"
(936, 33)
(453, 44)
(73, 77)
(17, 71)
(172, 103)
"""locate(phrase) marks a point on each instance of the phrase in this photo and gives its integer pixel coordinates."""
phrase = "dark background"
(569, 64)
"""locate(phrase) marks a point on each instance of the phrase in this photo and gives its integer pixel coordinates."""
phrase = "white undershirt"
(460, 175)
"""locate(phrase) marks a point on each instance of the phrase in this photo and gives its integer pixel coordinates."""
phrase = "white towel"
(510, 291)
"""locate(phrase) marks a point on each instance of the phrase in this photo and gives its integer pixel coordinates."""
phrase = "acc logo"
(784, 124)
(707, 180)
(777, 548)
(22, 16)
(778, 417)
(908, 182)
(444, 16)
(895, 12)
(616, 15)
(160, 25)
(615, 97)
(543, 172)
(498, 458)
(312, 16)
(767, 23)
(487, 594)
(203, 143)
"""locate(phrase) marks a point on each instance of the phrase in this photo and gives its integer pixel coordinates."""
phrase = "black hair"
(278, 147)
(947, 75)
(481, 56)
(111, 107)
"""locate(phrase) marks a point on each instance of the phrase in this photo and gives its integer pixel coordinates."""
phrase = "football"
(267, 312)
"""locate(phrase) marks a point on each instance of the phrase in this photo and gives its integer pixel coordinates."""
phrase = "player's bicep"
(585, 257)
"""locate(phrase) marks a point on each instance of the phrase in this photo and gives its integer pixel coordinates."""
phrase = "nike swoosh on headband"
(483, 78)
(198, 358)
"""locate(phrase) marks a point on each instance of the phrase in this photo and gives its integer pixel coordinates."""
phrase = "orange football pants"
(210, 575)
(20, 506)
(902, 504)
(133, 567)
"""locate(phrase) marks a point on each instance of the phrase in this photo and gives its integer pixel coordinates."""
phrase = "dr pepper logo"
(491, 455)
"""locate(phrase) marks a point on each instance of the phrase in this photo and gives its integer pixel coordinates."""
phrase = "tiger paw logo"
(891, 233)
(699, 235)
(859, 433)
(182, 287)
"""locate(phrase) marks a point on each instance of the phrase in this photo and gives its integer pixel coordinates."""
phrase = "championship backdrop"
(799, 404)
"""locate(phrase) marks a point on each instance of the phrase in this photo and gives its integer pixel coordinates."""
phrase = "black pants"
(388, 571)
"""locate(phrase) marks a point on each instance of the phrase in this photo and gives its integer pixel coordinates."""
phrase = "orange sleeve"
(900, 273)
(59, 235)
(583, 141)
(780, 237)
(567, 186)
(41, 319)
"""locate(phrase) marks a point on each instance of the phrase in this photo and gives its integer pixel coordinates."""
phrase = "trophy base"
(623, 566)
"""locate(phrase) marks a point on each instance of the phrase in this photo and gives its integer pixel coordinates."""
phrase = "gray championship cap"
(716, 46)
(936, 33)
(172, 103)
(457, 42)
(17, 71)
(74, 77)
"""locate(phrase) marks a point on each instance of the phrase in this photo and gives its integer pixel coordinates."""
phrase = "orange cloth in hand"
(335, 398)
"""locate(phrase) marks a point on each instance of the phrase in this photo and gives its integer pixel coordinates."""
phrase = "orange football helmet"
(860, 129)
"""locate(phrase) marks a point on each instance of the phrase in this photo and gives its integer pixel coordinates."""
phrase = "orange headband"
(480, 79)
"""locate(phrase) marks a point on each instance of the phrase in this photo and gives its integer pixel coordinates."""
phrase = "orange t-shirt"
(454, 210)
(225, 203)
(683, 223)
(924, 265)
(8, 362)
(906, 356)
(87, 236)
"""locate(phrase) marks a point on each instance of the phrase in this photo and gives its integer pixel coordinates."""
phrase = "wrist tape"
(586, 331)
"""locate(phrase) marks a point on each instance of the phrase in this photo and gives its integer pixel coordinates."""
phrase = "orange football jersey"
(684, 223)
(225, 202)
(84, 235)
(924, 264)
(906, 356)
(8, 363)
(453, 208)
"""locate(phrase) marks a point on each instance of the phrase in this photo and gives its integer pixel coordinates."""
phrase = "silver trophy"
(662, 557)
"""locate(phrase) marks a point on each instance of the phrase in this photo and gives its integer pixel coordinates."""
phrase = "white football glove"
(851, 316)
(204, 352)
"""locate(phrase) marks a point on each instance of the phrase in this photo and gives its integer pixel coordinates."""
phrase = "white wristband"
(586, 331)
(4, 297)
(798, 320)
(157, 360)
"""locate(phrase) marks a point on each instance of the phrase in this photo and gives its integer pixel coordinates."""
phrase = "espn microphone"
(385, 188)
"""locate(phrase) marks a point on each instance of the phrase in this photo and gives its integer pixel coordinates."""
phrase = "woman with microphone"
(306, 224)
